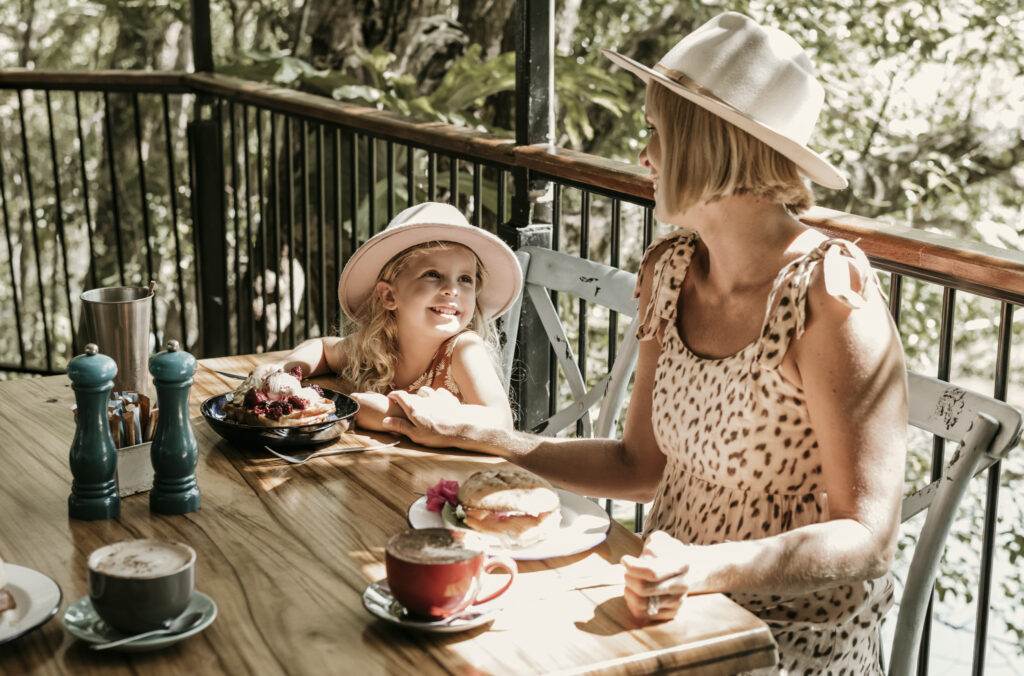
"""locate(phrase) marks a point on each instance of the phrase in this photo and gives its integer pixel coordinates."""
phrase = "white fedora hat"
(432, 222)
(755, 77)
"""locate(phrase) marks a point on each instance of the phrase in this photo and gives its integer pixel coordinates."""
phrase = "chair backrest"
(544, 271)
(985, 430)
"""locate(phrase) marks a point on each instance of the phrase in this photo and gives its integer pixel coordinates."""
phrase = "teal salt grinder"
(93, 456)
(174, 452)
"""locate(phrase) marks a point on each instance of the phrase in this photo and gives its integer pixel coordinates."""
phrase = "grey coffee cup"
(139, 585)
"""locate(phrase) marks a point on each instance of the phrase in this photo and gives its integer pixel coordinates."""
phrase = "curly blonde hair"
(705, 158)
(371, 344)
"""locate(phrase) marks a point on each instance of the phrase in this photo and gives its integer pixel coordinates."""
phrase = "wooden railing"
(316, 177)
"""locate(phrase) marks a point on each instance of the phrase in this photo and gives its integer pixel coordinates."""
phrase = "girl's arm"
(482, 389)
(373, 408)
(317, 356)
(850, 365)
(327, 355)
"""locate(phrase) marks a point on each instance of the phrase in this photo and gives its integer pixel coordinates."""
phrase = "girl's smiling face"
(434, 293)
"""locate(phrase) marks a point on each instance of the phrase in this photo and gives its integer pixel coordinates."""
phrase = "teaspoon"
(179, 625)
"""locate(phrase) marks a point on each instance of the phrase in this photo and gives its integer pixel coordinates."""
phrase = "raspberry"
(253, 398)
(317, 389)
(297, 402)
(297, 372)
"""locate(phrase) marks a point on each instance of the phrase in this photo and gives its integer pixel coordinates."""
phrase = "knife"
(233, 376)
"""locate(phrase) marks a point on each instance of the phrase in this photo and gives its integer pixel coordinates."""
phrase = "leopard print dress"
(742, 459)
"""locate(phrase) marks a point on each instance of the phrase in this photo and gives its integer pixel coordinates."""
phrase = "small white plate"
(81, 620)
(378, 600)
(584, 525)
(38, 598)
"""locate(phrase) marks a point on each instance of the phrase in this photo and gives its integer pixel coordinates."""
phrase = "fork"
(330, 451)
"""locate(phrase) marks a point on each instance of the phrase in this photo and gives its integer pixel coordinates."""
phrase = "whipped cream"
(254, 381)
(281, 385)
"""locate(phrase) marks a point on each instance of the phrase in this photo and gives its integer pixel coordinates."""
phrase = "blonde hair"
(704, 158)
(372, 344)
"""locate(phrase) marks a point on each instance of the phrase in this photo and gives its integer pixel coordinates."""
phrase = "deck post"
(535, 42)
(207, 175)
(202, 38)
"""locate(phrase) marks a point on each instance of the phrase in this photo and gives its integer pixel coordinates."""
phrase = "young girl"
(423, 296)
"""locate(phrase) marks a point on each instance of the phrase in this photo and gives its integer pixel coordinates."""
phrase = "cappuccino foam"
(141, 558)
(431, 546)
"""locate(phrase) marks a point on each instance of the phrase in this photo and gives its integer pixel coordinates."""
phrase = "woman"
(768, 416)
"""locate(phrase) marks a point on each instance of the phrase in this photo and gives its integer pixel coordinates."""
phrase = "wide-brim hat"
(755, 77)
(432, 222)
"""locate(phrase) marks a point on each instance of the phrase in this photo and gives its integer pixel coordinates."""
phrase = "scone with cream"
(514, 505)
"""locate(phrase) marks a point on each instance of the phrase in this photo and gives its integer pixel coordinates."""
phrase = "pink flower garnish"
(444, 491)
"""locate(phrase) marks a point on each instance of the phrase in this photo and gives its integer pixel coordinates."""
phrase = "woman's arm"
(850, 365)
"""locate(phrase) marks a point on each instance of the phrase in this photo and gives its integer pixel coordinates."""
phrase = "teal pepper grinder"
(174, 453)
(93, 456)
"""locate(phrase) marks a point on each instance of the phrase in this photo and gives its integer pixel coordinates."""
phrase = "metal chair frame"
(545, 271)
(985, 430)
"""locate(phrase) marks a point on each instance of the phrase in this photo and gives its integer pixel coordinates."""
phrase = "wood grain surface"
(286, 552)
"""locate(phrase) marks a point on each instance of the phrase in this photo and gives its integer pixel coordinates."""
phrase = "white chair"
(544, 271)
(985, 430)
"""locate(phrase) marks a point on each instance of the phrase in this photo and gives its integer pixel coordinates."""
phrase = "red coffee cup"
(435, 572)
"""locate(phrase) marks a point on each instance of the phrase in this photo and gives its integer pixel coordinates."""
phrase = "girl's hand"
(373, 408)
(658, 580)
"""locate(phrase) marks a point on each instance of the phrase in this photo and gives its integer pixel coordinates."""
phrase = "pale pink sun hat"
(755, 77)
(432, 222)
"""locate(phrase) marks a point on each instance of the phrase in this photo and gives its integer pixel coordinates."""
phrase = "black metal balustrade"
(246, 228)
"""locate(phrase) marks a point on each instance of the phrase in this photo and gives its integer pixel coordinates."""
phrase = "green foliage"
(461, 96)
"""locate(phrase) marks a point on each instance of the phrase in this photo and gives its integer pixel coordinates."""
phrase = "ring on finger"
(653, 605)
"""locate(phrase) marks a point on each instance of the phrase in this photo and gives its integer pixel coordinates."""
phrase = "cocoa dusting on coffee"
(133, 560)
(431, 545)
(132, 564)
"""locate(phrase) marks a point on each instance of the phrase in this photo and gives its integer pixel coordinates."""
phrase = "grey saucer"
(378, 600)
(81, 620)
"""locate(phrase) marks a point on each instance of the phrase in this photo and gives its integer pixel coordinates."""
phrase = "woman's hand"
(429, 418)
(658, 580)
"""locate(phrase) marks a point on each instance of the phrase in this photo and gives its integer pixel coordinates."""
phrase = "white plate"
(584, 525)
(378, 600)
(38, 598)
(81, 620)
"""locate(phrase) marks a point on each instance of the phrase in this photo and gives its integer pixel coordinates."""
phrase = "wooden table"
(286, 553)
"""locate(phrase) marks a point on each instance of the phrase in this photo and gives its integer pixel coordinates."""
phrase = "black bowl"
(248, 436)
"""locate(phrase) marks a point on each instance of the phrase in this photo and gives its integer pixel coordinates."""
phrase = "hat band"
(683, 79)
